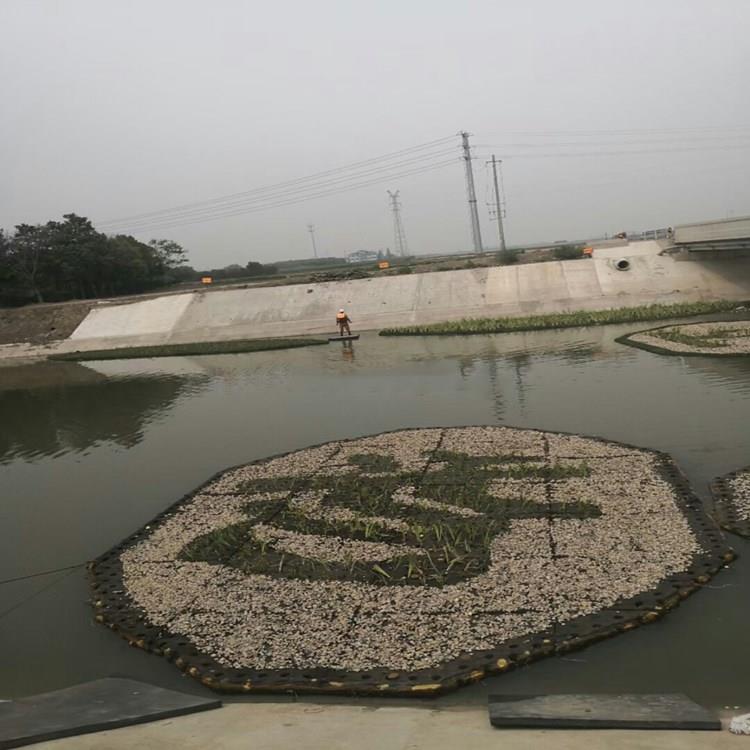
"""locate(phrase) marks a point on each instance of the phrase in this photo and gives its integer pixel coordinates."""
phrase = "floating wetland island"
(732, 501)
(728, 338)
(409, 562)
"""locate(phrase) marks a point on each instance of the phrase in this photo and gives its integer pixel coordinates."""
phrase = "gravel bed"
(725, 338)
(732, 501)
(740, 488)
(580, 524)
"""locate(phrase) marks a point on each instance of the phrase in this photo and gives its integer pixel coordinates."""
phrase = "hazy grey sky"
(111, 109)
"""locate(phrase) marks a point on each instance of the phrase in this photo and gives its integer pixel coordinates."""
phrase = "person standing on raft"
(342, 321)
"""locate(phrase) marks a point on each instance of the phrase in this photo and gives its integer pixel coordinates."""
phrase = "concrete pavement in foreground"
(285, 726)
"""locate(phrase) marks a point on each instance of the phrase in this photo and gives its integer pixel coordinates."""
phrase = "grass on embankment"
(183, 350)
(564, 320)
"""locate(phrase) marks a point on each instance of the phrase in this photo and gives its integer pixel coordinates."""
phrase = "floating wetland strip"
(410, 562)
(731, 494)
(183, 350)
(575, 319)
(726, 338)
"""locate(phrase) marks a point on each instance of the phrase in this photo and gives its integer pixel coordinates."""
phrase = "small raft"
(352, 337)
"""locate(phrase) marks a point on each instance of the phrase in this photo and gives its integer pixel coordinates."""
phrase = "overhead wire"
(291, 201)
(621, 132)
(624, 152)
(420, 158)
(286, 183)
(277, 194)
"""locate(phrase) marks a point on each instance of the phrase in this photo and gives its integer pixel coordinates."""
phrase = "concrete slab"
(647, 247)
(581, 711)
(280, 726)
(158, 315)
(542, 282)
(582, 282)
(300, 309)
(91, 707)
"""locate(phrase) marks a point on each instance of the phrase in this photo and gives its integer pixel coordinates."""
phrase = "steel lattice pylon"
(399, 235)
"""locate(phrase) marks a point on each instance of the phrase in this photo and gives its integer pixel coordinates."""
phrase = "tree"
(28, 248)
(171, 253)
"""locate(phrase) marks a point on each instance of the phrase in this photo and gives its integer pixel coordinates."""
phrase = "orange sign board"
(207, 280)
(384, 264)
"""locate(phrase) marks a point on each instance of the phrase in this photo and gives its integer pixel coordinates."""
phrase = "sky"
(607, 116)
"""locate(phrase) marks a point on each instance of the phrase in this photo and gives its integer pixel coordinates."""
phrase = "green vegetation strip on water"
(564, 320)
(180, 350)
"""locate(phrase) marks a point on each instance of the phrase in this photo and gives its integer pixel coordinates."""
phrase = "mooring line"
(43, 573)
(36, 593)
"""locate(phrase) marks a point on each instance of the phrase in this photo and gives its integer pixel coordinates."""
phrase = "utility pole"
(311, 229)
(476, 233)
(499, 210)
(398, 225)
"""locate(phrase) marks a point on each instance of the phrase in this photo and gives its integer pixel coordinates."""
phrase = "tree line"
(70, 259)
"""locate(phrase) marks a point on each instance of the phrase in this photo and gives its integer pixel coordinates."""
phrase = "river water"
(90, 452)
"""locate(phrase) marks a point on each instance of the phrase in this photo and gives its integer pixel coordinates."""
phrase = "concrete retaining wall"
(588, 284)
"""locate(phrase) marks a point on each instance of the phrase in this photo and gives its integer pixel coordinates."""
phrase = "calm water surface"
(88, 453)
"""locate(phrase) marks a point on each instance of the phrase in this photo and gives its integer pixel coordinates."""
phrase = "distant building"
(362, 256)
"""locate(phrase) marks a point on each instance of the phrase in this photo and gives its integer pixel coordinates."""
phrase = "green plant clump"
(567, 252)
(439, 543)
(182, 350)
(575, 319)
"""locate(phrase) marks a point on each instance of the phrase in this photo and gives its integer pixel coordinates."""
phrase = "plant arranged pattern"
(377, 523)
(716, 338)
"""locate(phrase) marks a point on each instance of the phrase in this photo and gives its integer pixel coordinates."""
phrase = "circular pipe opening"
(622, 264)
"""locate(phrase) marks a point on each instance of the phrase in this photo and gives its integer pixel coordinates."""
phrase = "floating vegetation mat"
(729, 338)
(409, 562)
(185, 350)
(573, 319)
(732, 501)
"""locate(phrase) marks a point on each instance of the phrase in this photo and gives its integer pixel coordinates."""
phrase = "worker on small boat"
(342, 321)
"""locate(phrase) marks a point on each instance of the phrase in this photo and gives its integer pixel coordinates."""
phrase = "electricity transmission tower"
(498, 208)
(311, 229)
(476, 234)
(398, 225)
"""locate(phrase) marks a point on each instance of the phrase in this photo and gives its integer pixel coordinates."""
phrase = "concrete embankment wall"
(588, 284)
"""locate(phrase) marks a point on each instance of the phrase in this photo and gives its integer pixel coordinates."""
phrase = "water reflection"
(182, 419)
(54, 408)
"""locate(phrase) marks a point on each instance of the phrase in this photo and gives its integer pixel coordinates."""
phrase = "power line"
(631, 131)
(288, 200)
(627, 142)
(315, 176)
(626, 152)
(278, 194)
(292, 201)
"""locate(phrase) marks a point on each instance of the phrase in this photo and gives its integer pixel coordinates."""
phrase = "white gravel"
(727, 338)
(543, 571)
(740, 488)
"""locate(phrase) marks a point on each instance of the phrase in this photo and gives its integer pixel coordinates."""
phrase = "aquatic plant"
(579, 318)
(470, 550)
(185, 350)
(715, 338)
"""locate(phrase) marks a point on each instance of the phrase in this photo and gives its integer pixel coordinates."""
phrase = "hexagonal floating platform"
(409, 562)
(728, 338)
(731, 495)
